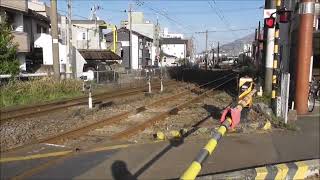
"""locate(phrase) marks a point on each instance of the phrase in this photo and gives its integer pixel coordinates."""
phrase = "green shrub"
(8, 50)
(38, 90)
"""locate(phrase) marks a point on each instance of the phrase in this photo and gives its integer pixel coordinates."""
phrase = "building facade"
(87, 34)
(25, 24)
(13, 12)
(141, 48)
(174, 47)
(165, 34)
(142, 26)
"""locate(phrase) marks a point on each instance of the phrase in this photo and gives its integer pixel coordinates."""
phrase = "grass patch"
(38, 90)
(266, 99)
(278, 122)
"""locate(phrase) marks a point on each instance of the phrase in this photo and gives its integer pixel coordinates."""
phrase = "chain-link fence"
(127, 76)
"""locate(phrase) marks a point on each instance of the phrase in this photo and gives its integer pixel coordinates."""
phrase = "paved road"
(165, 161)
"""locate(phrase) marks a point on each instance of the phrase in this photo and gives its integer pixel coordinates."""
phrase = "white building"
(174, 47)
(247, 49)
(165, 34)
(169, 60)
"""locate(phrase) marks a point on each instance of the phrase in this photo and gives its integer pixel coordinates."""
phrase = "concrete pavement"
(166, 160)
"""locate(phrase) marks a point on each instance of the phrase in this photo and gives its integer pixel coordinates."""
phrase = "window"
(83, 36)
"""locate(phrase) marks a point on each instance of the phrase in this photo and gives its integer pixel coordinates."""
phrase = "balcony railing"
(22, 39)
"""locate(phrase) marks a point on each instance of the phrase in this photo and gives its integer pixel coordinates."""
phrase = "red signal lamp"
(270, 22)
(284, 15)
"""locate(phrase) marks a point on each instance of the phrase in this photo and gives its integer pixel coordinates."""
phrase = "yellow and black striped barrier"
(293, 170)
(195, 167)
(283, 171)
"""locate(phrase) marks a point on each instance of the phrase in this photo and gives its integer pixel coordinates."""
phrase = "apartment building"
(13, 12)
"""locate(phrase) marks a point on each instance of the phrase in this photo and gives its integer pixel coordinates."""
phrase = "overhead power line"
(164, 14)
(227, 30)
(219, 13)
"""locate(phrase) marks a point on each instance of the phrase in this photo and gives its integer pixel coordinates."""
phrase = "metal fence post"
(98, 77)
(285, 89)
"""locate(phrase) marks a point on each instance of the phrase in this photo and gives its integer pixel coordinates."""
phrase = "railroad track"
(118, 118)
(36, 110)
(127, 132)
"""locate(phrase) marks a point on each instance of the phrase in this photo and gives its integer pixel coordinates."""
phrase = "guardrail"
(229, 119)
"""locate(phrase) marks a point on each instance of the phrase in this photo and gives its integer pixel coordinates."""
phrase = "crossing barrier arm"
(195, 167)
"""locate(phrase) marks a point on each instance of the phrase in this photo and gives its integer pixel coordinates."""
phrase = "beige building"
(87, 34)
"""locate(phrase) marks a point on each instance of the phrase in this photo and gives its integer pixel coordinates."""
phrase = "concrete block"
(292, 115)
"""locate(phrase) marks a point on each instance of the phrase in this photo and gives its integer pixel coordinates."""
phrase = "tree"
(8, 51)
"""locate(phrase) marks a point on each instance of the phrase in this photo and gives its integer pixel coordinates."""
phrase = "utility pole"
(130, 35)
(94, 17)
(213, 63)
(206, 58)
(307, 9)
(258, 48)
(55, 41)
(158, 53)
(269, 46)
(218, 52)
(70, 61)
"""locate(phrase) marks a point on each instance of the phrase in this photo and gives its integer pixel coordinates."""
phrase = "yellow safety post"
(114, 39)
(195, 167)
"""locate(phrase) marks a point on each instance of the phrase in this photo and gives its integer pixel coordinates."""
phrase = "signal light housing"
(270, 22)
(285, 16)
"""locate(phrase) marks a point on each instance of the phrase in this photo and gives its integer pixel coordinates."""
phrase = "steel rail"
(31, 111)
(76, 132)
(161, 116)
(121, 135)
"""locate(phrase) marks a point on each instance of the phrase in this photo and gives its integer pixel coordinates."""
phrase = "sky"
(233, 18)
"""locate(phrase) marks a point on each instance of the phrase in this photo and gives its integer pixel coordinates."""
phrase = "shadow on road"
(173, 144)
(120, 171)
(119, 168)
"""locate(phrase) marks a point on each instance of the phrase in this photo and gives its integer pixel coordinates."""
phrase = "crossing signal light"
(270, 22)
(285, 17)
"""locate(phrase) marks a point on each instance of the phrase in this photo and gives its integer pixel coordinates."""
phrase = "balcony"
(21, 5)
(22, 39)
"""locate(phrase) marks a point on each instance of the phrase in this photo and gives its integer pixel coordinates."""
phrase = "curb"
(292, 170)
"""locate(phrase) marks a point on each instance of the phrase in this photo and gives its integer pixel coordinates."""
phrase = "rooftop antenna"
(93, 14)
